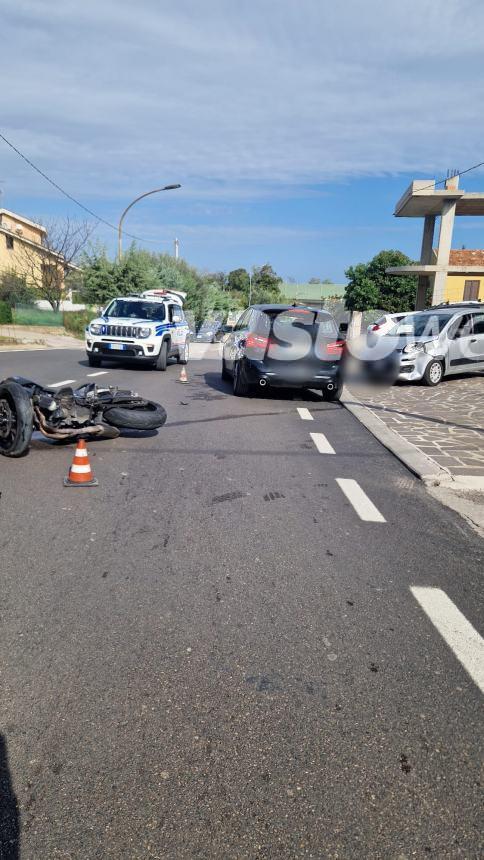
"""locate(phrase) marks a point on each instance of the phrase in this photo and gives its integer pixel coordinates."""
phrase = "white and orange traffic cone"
(183, 374)
(80, 473)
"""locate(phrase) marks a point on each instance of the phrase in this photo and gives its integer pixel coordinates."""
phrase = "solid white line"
(322, 443)
(58, 384)
(363, 506)
(304, 413)
(98, 373)
(459, 634)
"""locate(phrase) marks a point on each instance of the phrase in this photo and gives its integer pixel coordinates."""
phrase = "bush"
(5, 313)
(76, 321)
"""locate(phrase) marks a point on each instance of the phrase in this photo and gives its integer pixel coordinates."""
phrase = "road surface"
(258, 637)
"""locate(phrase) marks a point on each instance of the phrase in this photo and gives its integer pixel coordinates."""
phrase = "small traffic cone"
(80, 473)
(183, 374)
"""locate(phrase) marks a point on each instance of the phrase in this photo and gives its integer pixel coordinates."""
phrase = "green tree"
(370, 287)
(238, 281)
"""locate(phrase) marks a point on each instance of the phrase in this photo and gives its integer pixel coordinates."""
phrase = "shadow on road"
(9, 813)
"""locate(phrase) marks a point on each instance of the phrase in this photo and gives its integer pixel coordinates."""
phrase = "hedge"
(76, 321)
(5, 313)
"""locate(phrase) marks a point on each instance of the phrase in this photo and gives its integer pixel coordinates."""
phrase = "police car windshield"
(142, 310)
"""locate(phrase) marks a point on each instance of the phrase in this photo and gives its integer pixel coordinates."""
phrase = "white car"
(149, 328)
(385, 323)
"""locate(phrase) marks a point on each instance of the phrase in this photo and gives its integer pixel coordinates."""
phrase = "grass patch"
(26, 315)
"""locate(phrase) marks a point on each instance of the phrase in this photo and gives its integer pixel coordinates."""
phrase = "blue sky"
(293, 126)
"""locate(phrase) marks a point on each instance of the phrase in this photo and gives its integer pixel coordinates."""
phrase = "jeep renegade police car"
(149, 327)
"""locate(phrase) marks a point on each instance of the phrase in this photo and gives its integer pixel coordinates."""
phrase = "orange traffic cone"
(80, 473)
(183, 374)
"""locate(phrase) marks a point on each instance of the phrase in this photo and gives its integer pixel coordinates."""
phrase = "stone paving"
(446, 423)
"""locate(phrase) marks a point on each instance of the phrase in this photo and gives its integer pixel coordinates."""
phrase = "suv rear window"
(323, 324)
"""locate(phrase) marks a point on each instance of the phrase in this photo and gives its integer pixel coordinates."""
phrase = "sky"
(293, 126)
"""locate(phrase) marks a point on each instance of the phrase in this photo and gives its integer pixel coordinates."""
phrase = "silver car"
(441, 341)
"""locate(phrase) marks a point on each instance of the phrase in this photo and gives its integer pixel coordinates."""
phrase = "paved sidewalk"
(20, 337)
(445, 423)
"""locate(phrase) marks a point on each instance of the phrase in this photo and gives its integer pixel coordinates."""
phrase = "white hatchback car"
(385, 323)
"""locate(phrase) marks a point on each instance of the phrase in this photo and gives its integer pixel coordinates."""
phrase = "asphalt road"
(212, 655)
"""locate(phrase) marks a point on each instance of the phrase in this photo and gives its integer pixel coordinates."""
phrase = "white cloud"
(234, 99)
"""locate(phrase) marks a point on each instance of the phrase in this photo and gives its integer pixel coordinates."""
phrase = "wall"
(454, 287)
(28, 232)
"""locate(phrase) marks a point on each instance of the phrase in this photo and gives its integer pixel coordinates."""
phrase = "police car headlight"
(144, 332)
(96, 328)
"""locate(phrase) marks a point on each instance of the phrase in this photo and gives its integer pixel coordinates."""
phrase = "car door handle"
(473, 339)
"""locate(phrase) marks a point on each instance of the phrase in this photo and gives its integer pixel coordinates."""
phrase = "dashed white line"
(98, 373)
(58, 384)
(322, 444)
(453, 626)
(363, 506)
(304, 413)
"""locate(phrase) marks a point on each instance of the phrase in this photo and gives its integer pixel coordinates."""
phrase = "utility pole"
(176, 244)
(146, 194)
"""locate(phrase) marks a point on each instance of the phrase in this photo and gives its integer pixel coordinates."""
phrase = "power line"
(69, 196)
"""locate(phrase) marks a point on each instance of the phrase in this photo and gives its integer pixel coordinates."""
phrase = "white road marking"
(453, 626)
(363, 506)
(58, 384)
(304, 413)
(322, 443)
(98, 373)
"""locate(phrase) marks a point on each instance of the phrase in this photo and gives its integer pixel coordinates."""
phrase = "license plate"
(117, 346)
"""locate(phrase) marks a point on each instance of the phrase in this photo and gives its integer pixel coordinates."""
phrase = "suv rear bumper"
(296, 378)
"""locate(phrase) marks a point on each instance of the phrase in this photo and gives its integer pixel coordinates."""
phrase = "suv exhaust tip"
(262, 382)
(329, 386)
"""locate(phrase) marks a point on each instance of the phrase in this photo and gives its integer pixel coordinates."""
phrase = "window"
(9, 242)
(462, 327)
(471, 291)
(175, 314)
(478, 323)
(242, 321)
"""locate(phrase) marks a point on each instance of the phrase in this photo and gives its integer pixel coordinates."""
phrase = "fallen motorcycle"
(65, 414)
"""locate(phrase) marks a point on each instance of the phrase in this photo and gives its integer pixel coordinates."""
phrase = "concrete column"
(443, 249)
(425, 259)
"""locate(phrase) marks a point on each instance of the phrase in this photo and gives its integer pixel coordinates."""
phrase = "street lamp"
(146, 194)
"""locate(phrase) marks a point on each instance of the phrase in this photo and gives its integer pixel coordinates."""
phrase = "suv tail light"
(257, 341)
(375, 327)
(336, 347)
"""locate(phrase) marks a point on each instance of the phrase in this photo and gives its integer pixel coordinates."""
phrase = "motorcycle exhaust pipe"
(262, 382)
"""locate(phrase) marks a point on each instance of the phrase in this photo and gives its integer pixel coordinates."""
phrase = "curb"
(422, 466)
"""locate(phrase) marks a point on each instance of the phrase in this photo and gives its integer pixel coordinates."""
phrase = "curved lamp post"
(146, 194)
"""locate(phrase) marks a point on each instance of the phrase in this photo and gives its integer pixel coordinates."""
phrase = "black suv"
(284, 345)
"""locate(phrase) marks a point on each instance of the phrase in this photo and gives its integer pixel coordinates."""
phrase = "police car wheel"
(162, 359)
(184, 353)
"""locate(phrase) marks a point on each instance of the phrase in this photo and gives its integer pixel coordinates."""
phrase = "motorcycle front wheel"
(147, 417)
(16, 419)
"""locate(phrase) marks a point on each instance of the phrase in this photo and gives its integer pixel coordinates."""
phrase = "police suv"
(149, 327)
